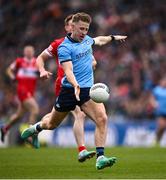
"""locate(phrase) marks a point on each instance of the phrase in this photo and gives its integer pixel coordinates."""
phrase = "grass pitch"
(61, 163)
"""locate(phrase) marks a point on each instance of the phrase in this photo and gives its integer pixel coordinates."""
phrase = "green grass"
(61, 163)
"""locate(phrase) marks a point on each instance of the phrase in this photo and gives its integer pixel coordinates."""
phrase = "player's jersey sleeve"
(51, 50)
(90, 40)
(15, 65)
(64, 54)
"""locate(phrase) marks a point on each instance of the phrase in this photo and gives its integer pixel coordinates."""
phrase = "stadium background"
(131, 69)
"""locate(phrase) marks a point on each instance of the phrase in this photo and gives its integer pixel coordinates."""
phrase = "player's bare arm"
(68, 69)
(102, 40)
(40, 61)
(10, 72)
(94, 63)
(153, 101)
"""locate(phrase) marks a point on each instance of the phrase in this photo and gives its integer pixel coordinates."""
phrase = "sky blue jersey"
(160, 96)
(80, 53)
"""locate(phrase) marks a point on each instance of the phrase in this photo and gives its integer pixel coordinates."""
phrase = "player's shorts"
(24, 94)
(66, 101)
(161, 116)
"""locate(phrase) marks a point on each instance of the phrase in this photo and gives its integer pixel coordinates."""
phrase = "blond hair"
(82, 17)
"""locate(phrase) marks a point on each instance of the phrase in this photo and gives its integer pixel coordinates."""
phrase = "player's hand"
(13, 78)
(120, 38)
(77, 92)
(45, 74)
(94, 64)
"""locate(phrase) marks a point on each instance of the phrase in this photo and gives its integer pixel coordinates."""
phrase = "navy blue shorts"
(161, 116)
(66, 101)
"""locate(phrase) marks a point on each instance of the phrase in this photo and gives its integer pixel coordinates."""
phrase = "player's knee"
(102, 120)
(35, 110)
(83, 116)
(80, 117)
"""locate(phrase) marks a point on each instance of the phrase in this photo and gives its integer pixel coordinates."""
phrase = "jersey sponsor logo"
(28, 72)
(80, 55)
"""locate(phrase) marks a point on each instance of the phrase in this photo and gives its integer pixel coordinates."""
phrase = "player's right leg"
(96, 111)
(78, 129)
(12, 120)
(31, 106)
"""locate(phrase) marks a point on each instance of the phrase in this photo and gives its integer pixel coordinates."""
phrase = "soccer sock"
(6, 128)
(99, 151)
(39, 128)
(81, 148)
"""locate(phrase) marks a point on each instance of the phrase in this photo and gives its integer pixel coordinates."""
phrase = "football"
(99, 92)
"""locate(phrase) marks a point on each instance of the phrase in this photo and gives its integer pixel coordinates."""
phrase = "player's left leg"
(31, 106)
(78, 129)
(96, 111)
(12, 120)
(49, 122)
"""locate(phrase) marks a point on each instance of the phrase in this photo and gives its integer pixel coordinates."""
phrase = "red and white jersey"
(26, 74)
(52, 51)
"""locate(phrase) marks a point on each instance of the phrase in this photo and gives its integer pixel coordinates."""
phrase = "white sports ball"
(99, 93)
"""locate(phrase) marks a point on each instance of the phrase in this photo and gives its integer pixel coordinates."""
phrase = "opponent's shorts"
(24, 94)
(66, 101)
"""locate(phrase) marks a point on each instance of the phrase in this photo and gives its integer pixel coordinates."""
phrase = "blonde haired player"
(75, 56)
(78, 115)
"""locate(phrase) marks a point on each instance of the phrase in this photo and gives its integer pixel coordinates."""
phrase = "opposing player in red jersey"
(25, 72)
(78, 115)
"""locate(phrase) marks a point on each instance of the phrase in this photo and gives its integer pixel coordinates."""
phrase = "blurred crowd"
(131, 69)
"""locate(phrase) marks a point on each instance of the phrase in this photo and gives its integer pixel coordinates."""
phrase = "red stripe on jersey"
(52, 49)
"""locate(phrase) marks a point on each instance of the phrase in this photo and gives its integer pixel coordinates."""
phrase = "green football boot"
(103, 162)
(83, 155)
(28, 132)
(35, 141)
